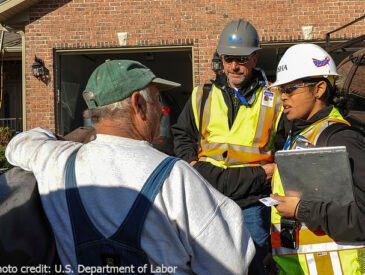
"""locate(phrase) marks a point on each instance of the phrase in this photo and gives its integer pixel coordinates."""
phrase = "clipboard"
(320, 173)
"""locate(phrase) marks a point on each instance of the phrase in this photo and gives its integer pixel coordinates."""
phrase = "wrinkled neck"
(122, 128)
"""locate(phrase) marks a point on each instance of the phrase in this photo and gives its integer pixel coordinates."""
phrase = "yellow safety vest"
(249, 141)
(317, 253)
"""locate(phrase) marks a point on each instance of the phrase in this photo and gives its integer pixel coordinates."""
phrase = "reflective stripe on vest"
(309, 242)
(317, 254)
(323, 263)
(248, 142)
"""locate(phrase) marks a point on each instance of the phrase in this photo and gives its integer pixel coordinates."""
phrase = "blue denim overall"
(123, 248)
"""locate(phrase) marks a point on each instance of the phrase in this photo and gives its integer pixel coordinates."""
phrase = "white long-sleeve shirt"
(191, 227)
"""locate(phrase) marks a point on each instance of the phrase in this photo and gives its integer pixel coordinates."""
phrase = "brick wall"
(95, 23)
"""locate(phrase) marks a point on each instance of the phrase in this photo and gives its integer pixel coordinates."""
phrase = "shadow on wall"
(44, 7)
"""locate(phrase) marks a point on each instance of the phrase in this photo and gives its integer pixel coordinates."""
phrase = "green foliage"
(3, 162)
(5, 136)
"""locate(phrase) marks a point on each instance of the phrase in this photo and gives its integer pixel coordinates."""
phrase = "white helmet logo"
(281, 68)
(321, 63)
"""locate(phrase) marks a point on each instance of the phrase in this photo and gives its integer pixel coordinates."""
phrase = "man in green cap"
(108, 204)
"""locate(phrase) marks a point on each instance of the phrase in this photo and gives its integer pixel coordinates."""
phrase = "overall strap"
(131, 229)
(82, 228)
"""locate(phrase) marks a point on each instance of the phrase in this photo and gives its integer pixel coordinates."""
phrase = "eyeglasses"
(289, 89)
(239, 59)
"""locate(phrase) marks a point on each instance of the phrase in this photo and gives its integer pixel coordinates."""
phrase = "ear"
(139, 105)
(254, 59)
(320, 89)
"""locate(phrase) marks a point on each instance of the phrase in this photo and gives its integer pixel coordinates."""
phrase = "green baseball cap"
(115, 80)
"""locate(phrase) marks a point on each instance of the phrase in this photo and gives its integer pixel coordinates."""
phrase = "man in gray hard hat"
(226, 131)
(109, 203)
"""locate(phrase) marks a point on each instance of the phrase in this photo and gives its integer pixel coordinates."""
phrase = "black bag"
(351, 84)
(332, 129)
(26, 238)
(351, 77)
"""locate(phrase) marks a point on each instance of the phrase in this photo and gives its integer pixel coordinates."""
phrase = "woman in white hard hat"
(305, 77)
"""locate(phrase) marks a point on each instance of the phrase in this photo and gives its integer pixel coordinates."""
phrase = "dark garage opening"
(73, 68)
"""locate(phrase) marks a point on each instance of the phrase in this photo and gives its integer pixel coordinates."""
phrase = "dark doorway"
(11, 95)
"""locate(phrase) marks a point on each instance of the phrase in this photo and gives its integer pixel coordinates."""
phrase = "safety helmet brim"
(237, 51)
(282, 82)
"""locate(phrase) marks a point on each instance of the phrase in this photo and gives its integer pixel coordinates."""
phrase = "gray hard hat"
(238, 38)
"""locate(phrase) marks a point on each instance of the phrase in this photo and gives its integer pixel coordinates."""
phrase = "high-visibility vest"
(317, 253)
(249, 141)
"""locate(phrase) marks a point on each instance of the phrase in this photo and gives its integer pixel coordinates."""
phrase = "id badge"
(267, 99)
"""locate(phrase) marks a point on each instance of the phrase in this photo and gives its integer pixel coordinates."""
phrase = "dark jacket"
(26, 237)
(244, 185)
(343, 223)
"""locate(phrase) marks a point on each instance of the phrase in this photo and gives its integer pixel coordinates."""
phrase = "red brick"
(94, 24)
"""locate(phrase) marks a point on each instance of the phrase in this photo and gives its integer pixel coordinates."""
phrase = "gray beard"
(237, 83)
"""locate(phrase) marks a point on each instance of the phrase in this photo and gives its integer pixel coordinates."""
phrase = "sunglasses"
(289, 89)
(239, 59)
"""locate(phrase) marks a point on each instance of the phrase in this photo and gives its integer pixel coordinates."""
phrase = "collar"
(121, 141)
(298, 125)
(248, 90)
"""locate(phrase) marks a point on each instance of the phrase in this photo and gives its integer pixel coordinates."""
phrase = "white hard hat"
(304, 60)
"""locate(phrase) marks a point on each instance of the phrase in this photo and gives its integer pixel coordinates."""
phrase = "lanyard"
(291, 140)
(241, 98)
(263, 83)
(288, 142)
